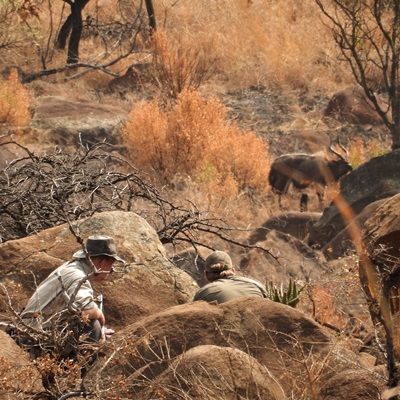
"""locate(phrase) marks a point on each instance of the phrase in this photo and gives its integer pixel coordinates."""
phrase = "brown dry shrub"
(182, 62)
(193, 138)
(14, 102)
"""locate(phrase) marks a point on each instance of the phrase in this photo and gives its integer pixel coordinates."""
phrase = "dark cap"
(218, 261)
(99, 245)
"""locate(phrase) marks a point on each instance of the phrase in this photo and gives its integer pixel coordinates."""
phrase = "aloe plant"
(288, 296)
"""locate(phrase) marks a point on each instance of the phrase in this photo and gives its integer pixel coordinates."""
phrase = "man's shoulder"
(204, 290)
(245, 279)
(75, 267)
(251, 281)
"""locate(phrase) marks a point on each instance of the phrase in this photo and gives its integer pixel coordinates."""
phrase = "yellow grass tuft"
(195, 139)
(360, 151)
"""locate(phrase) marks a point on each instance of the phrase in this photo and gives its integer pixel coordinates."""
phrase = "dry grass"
(260, 42)
(194, 139)
(14, 103)
(273, 42)
(182, 63)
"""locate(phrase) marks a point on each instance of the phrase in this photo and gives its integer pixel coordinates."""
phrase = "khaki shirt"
(230, 288)
(54, 293)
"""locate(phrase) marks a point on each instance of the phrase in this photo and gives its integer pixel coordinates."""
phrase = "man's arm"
(94, 313)
(83, 298)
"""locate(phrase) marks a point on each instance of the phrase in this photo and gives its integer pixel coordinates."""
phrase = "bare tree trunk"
(391, 361)
(64, 33)
(72, 27)
(76, 32)
(396, 136)
(151, 15)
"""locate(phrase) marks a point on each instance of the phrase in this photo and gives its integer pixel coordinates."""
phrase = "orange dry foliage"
(195, 139)
(14, 102)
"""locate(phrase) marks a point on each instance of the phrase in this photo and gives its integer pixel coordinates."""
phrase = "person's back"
(229, 288)
(224, 284)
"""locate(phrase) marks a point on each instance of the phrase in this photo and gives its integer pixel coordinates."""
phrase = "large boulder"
(279, 337)
(376, 179)
(352, 105)
(343, 242)
(19, 378)
(382, 252)
(383, 226)
(354, 385)
(288, 257)
(297, 224)
(149, 282)
(66, 122)
(192, 261)
(213, 372)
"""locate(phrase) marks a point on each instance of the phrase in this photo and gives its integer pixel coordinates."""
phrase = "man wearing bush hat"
(67, 292)
(224, 284)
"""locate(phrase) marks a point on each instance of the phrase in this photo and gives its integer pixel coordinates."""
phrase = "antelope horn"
(343, 148)
(335, 152)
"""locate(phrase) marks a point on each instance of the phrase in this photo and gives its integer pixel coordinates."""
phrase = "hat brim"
(81, 254)
(118, 258)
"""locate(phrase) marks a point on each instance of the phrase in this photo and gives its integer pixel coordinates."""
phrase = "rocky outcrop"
(288, 257)
(343, 242)
(19, 378)
(352, 105)
(213, 372)
(149, 282)
(65, 122)
(353, 385)
(296, 224)
(192, 261)
(379, 263)
(279, 337)
(376, 179)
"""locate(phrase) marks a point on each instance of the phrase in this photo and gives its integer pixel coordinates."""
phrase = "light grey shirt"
(54, 293)
(230, 288)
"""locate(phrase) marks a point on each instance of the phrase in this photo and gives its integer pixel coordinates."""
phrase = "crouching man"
(65, 298)
(224, 284)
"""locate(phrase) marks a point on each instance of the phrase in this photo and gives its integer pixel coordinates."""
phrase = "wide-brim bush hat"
(218, 261)
(99, 245)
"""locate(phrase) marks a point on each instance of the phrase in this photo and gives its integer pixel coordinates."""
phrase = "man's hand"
(94, 313)
(109, 332)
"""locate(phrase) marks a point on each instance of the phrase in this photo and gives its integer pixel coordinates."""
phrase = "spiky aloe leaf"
(288, 296)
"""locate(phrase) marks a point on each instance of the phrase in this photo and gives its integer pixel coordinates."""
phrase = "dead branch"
(39, 192)
(367, 35)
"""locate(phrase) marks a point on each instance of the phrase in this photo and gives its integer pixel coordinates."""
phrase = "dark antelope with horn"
(302, 170)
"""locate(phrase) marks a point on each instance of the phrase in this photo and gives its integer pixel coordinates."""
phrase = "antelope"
(302, 170)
